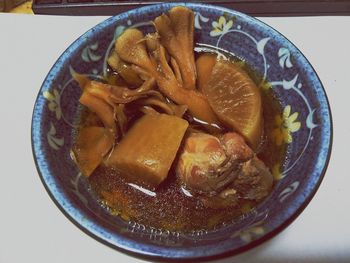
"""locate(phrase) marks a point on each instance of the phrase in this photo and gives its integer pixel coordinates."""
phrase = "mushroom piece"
(109, 100)
(124, 70)
(176, 29)
(131, 47)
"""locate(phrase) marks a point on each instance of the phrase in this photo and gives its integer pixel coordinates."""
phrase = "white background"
(32, 229)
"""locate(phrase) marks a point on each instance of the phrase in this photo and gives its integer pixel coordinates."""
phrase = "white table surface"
(32, 228)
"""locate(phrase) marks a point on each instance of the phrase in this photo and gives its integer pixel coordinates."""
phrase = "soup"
(176, 139)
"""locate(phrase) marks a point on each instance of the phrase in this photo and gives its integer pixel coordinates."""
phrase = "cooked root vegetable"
(236, 100)
(148, 150)
(91, 145)
(204, 65)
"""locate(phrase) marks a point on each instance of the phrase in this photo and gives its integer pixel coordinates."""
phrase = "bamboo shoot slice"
(147, 151)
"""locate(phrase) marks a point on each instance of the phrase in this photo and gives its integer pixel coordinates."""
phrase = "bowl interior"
(304, 126)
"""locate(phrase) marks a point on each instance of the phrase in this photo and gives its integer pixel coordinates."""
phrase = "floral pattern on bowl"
(304, 126)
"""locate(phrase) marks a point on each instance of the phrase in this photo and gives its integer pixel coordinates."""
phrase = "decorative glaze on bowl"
(305, 126)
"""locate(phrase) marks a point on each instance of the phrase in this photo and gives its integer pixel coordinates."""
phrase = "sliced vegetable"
(204, 65)
(236, 100)
(92, 144)
(148, 150)
(101, 108)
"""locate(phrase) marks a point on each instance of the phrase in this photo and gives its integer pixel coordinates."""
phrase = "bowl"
(305, 127)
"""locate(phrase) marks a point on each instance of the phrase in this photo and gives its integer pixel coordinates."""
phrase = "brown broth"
(169, 207)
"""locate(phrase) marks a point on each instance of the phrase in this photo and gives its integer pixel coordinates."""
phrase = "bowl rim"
(139, 253)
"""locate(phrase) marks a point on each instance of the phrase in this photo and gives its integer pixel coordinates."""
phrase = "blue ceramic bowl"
(305, 127)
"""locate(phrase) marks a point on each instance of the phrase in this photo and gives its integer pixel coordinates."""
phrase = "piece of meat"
(222, 170)
(207, 164)
(226, 198)
(235, 146)
(255, 181)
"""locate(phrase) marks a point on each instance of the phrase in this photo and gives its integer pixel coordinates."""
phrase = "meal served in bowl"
(181, 132)
(176, 138)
